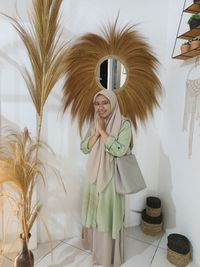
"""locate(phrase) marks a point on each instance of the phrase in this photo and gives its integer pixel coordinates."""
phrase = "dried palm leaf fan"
(138, 95)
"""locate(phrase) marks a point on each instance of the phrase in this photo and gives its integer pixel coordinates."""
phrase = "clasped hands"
(98, 132)
(100, 126)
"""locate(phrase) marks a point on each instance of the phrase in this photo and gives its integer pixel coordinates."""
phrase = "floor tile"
(140, 250)
(44, 249)
(138, 253)
(163, 241)
(136, 233)
(160, 259)
(66, 255)
(76, 242)
(41, 251)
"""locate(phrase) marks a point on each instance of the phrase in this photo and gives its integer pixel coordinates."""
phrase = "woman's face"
(102, 106)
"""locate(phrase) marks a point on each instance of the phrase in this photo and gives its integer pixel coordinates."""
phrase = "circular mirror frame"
(97, 71)
(137, 97)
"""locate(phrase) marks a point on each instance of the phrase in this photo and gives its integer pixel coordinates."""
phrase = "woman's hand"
(101, 128)
(100, 125)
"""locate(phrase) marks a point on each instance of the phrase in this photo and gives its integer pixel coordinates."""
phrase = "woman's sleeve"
(84, 145)
(119, 146)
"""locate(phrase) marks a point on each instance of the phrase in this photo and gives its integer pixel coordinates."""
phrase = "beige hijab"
(100, 165)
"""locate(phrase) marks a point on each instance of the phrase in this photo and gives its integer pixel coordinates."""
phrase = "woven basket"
(178, 243)
(152, 212)
(150, 219)
(178, 259)
(153, 202)
(151, 229)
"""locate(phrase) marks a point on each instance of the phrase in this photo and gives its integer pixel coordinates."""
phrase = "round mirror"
(111, 74)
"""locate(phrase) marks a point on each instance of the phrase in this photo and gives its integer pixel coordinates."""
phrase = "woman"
(103, 209)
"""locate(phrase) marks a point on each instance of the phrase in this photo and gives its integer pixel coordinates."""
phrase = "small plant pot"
(185, 48)
(194, 23)
(194, 44)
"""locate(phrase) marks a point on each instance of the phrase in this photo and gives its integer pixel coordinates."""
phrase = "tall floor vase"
(25, 258)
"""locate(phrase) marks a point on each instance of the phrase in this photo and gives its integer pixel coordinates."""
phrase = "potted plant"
(194, 21)
(20, 170)
(194, 43)
(185, 47)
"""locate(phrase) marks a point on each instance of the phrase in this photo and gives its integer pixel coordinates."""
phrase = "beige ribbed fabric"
(99, 166)
(106, 251)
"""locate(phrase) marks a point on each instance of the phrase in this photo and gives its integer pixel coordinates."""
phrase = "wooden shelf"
(194, 8)
(190, 34)
(189, 54)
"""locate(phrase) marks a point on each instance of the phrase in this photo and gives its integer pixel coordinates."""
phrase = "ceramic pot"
(185, 48)
(194, 44)
(25, 258)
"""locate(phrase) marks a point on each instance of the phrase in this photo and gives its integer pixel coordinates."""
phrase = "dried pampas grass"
(19, 163)
(45, 50)
(20, 170)
(137, 97)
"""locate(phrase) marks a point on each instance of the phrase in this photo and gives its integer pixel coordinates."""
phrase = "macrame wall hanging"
(137, 96)
(192, 103)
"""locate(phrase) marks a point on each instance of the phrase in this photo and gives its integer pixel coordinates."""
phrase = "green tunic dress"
(105, 211)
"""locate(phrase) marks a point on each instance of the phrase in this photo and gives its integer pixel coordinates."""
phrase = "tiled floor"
(140, 251)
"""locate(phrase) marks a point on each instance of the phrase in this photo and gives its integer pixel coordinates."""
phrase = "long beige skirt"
(106, 251)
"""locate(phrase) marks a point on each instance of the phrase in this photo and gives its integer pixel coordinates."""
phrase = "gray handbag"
(128, 176)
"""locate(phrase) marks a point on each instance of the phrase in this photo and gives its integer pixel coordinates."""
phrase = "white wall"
(178, 175)
(161, 146)
(62, 211)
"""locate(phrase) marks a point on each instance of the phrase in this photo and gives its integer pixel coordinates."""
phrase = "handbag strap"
(131, 142)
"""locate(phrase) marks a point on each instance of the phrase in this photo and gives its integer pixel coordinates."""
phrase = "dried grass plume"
(46, 51)
(20, 170)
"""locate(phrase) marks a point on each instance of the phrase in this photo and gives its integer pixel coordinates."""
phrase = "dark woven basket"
(153, 202)
(151, 220)
(178, 243)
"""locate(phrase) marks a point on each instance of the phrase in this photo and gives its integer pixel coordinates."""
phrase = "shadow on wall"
(61, 210)
(165, 191)
(4, 123)
(9, 223)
